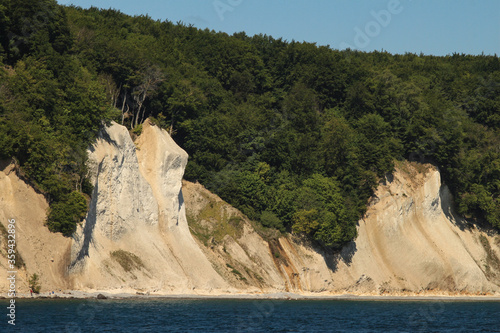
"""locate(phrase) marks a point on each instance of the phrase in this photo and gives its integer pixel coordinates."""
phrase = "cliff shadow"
(103, 135)
(334, 257)
(180, 199)
(88, 229)
(389, 178)
(106, 137)
(448, 208)
(347, 252)
(4, 164)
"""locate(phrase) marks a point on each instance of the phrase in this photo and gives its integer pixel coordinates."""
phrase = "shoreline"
(280, 296)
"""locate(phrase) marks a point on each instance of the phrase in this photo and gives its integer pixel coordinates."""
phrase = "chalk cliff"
(148, 231)
(409, 243)
(38, 250)
(136, 236)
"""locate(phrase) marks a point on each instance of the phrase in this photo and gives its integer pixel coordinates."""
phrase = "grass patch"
(216, 220)
(409, 168)
(255, 275)
(236, 272)
(3, 237)
(4, 241)
(492, 261)
(268, 234)
(197, 230)
(221, 222)
(127, 260)
(235, 221)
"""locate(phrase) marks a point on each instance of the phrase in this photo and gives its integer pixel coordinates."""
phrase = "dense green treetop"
(295, 135)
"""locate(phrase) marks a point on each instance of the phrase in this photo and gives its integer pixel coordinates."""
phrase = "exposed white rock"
(122, 200)
(42, 252)
(407, 243)
(136, 236)
(162, 162)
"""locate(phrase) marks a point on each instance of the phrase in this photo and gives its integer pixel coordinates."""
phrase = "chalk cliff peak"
(136, 235)
(410, 241)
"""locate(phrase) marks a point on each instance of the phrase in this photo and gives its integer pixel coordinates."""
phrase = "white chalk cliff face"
(41, 251)
(409, 243)
(136, 236)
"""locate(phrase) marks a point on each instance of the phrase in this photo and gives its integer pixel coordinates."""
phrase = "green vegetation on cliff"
(295, 135)
(51, 106)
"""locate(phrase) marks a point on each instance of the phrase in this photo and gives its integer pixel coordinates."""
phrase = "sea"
(229, 315)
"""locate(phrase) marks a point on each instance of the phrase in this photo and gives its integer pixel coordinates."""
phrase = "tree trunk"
(140, 101)
(171, 125)
(123, 106)
(136, 115)
(116, 95)
(142, 115)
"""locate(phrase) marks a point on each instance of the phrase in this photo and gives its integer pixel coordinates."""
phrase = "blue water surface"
(177, 315)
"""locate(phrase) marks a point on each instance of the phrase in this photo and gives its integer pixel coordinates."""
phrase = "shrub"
(305, 222)
(66, 214)
(271, 220)
(34, 283)
(137, 130)
(128, 261)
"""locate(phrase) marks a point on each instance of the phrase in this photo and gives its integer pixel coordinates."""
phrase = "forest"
(295, 135)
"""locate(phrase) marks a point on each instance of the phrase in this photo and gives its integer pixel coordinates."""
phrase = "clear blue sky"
(436, 27)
